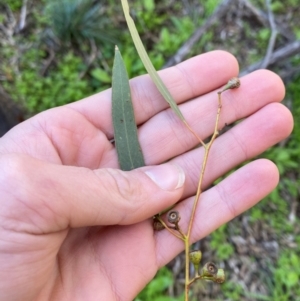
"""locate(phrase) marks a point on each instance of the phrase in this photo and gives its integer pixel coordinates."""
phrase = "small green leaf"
(147, 63)
(149, 5)
(126, 140)
(101, 75)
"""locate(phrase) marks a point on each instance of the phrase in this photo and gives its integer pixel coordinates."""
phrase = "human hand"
(74, 227)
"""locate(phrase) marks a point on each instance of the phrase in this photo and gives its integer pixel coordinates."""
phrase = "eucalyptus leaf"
(147, 63)
(129, 152)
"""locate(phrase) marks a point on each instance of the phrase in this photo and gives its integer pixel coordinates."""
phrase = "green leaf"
(101, 75)
(149, 5)
(127, 144)
(147, 63)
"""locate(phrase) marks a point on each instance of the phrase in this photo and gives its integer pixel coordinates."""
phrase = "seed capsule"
(234, 83)
(157, 225)
(173, 217)
(210, 270)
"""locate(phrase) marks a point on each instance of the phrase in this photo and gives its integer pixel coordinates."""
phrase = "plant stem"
(187, 268)
(204, 163)
(207, 148)
(194, 133)
(181, 236)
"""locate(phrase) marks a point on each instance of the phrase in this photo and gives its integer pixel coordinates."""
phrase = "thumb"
(65, 196)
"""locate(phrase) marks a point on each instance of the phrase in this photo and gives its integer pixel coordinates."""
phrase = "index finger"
(194, 77)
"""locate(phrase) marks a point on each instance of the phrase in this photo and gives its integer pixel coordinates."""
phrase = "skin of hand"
(74, 227)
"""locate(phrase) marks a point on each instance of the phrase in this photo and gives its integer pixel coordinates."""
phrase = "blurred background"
(55, 52)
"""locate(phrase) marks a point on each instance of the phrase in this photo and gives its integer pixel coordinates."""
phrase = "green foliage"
(275, 209)
(293, 96)
(285, 158)
(263, 38)
(171, 38)
(78, 21)
(61, 86)
(283, 284)
(64, 74)
(14, 5)
(157, 289)
(146, 17)
(286, 277)
(133, 65)
(149, 5)
(101, 75)
(232, 291)
(277, 6)
(219, 243)
(264, 34)
(210, 6)
(297, 33)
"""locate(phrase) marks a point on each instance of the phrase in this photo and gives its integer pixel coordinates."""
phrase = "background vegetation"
(59, 51)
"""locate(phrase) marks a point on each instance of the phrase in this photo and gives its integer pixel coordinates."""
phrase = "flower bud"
(195, 257)
(220, 277)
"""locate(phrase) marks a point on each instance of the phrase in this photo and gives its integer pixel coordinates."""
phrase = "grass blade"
(147, 63)
(127, 144)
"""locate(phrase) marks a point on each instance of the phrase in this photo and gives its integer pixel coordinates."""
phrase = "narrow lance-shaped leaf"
(126, 140)
(147, 63)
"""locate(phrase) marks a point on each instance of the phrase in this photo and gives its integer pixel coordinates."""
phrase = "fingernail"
(167, 176)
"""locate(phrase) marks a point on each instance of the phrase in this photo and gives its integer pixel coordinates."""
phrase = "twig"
(264, 20)
(187, 5)
(48, 62)
(287, 74)
(23, 16)
(278, 55)
(90, 59)
(186, 47)
(272, 40)
(104, 63)
(9, 28)
(207, 149)
(181, 236)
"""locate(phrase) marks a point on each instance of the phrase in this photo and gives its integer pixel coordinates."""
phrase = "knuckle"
(16, 207)
(125, 190)
(13, 171)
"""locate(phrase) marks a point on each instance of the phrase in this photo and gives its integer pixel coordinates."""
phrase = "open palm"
(74, 227)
